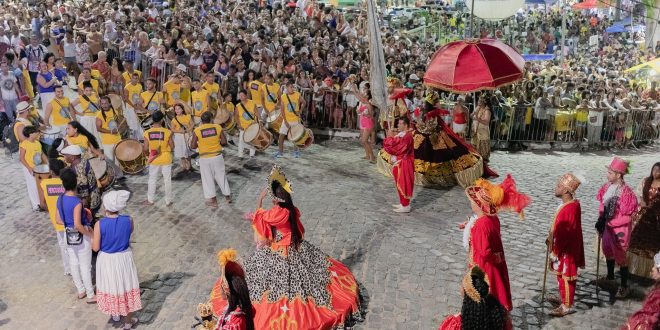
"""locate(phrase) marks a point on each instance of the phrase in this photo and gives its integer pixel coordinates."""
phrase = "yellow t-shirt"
(96, 74)
(270, 93)
(79, 140)
(173, 92)
(158, 139)
(255, 91)
(60, 111)
(290, 105)
(246, 113)
(183, 120)
(32, 152)
(89, 108)
(127, 75)
(212, 89)
(52, 189)
(154, 105)
(200, 102)
(20, 125)
(95, 85)
(133, 92)
(110, 122)
(582, 115)
(208, 140)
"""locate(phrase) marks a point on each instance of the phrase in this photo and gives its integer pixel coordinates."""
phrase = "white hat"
(72, 150)
(22, 107)
(182, 67)
(413, 77)
(656, 260)
(166, 4)
(115, 200)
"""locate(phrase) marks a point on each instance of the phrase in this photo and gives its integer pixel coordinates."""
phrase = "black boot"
(623, 290)
(610, 269)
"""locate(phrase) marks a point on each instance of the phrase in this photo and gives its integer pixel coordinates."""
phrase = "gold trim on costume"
(418, 139)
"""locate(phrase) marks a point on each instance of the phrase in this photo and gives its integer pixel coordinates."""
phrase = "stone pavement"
(410, 266)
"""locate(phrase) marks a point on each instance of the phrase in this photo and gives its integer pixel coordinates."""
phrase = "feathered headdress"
(228, 261)
(492, 198)
(278, 175)
(393, 82)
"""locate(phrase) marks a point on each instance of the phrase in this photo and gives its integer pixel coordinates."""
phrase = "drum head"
(295, 132)
(128, 150)
(99, 166)
(41, 169)
(273, 116)
(251, 132)
(147, 122)
(222, 116)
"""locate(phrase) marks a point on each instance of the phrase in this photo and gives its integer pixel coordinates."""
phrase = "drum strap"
(246, 110)
(290, 103)
(270, 95)
(62, 107)
(90, 102)
(151, 98)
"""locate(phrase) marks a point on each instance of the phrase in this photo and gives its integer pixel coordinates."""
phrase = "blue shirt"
(115, 234)
(47, 77)
(65, 206)
(60, 74)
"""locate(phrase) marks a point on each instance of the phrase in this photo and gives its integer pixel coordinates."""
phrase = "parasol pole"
(471, 20)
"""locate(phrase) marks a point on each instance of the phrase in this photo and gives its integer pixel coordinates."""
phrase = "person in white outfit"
(77, 223)
(158, 144)
(31, 155)
(209, 138)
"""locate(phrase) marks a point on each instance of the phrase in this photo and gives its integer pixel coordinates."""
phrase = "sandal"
(148, 203)
(82, 295)
(128, 326)
(213, 205)
(228, 199)
(91, 300)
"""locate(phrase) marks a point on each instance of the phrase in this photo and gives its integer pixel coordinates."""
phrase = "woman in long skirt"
(117, 284)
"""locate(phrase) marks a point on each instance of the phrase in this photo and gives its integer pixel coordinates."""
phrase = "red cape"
(403, 149)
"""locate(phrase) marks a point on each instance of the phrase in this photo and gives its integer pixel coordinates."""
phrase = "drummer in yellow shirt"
(172, 90)
(131, 96)
(59, 111)
(151, 100)
(209, 138)
(158, 144)
(254, 87)
(107, 123)
(200, 100)
(130, 71)
(52, 189)
(245, 115)
(270, 95)
(213, 88)
(31, 155)
(291, 103)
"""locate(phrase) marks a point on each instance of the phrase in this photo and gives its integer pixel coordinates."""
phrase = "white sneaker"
(116, 318)
(403, 209)
(397, 206)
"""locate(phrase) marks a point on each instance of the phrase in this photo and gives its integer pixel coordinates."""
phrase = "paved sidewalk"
(409, 265)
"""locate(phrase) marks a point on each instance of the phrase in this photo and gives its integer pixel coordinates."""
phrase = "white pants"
(31, 184)
(80, 260)
(212, 171)
(242, 145)
(154, 170)
(133, 123)
(45, 99)
(109, 151)
(61, 242)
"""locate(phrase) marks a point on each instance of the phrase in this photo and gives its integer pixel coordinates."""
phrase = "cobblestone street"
(410, 266)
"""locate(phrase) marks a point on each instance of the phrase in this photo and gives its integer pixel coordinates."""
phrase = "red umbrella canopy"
(591, 4)
(471, 65)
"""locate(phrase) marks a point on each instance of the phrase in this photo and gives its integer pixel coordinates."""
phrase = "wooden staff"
(598, 269)
(545, 274)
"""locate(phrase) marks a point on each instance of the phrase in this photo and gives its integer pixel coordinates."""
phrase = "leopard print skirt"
(303, 274)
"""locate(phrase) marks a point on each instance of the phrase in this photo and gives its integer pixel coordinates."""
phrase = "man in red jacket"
(565, 244)
(400, 146)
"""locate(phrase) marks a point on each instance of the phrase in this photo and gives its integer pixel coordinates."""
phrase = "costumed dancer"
(648, 317)
(565, 243)
(291, 281)
(482, 237)
(441, 156)
(400, 146)
(617, 204)
(480, 309)
(239, 313)
(396, 103)
(644, 239)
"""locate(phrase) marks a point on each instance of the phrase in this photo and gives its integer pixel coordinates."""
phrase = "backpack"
(9, 139)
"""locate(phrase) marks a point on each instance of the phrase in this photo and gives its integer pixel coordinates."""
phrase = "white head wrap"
(115, 200)
(656, 260)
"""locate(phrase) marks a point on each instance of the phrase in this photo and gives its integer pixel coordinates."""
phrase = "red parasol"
(591, 4)
(399, 93)
(471, 65)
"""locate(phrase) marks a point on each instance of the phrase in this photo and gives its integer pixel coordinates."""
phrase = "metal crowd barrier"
(568, 127)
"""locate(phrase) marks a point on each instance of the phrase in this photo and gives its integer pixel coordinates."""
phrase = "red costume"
(453, 322)
(567, 249)
(401, 147)
(232, 321)
(648, 317)
(487, 252)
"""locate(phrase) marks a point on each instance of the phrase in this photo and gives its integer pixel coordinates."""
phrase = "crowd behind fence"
(511, 125)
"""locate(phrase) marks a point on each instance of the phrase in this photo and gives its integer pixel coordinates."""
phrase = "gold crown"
(278, 175)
